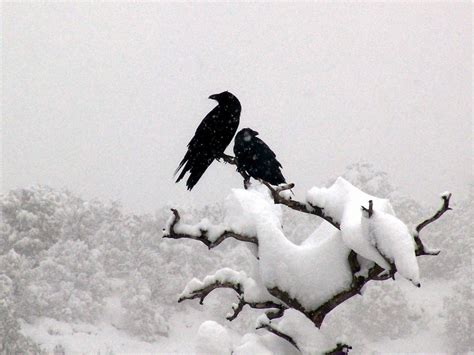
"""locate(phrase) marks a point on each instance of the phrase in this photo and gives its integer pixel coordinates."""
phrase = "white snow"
(213, 339)
(252, 344)
(299, 270)
(213, 231)
(393, 239)
(253, 291)
(376, 238)
(242, 209)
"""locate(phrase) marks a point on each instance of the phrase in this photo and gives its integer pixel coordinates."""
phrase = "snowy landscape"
(83, 276)
(322, 196)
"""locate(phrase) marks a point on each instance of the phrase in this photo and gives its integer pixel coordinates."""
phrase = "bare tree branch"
(445, 207)
(370, 210)
(203, 237)
(420, 248)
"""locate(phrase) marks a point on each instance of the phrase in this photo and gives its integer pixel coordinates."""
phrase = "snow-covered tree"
(298, 285)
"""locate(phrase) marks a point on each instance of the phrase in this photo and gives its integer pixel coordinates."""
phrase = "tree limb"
(280, 308)
(203, 292)
(203, 237)
(420, 248)
(445, 207)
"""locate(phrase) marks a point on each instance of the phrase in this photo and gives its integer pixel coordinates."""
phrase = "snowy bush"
(11, 340)
(69, 284)
(384, 311)
(142, 318)
(459, 310)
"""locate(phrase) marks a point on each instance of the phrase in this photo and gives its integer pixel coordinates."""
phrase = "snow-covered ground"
(105, 337)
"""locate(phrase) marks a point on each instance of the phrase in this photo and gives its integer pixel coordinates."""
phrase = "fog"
(103, 98)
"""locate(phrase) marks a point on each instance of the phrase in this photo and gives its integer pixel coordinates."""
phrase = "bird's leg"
(227, 159)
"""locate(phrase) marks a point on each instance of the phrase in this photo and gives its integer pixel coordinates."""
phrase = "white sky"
(103, 98)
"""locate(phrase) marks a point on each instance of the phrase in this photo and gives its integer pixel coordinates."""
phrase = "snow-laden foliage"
(384, 311)
(64, 256)
(460, 316)
(68, 284)
(73, 260)
(11, 340)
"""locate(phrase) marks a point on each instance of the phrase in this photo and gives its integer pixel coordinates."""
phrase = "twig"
(420, 248)
(445, 207)
(369, 211)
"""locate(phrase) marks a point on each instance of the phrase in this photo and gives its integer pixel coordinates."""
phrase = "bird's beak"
(213, 97)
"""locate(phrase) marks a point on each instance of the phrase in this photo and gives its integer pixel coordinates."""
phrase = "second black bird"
(256, 158)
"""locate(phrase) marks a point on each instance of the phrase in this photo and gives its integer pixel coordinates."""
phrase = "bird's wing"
(264, 152)
(205, 130)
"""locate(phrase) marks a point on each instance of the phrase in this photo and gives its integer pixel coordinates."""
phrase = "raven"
(256, 158)
(211, 138)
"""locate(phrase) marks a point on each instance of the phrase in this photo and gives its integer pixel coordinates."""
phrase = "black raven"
(211, 138)
(256, 158)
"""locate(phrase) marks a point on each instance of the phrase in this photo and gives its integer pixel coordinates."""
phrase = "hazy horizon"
(103, 98)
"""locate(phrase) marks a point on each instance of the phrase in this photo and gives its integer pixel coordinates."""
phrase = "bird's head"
(247, 134)
(223, 97)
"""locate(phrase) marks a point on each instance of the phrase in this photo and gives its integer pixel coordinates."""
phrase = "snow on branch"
(205, 232)
(296, 205)
(248, 290)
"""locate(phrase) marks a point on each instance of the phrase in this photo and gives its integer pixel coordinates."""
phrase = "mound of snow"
(312, 272)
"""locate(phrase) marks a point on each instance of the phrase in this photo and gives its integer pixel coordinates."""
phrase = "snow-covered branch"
(205, 232)
(248, 290)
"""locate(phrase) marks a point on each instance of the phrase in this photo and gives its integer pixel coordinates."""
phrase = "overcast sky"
(103, 98)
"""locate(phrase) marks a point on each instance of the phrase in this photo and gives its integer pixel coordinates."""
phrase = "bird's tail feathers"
(197, 171)
(185, 159)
